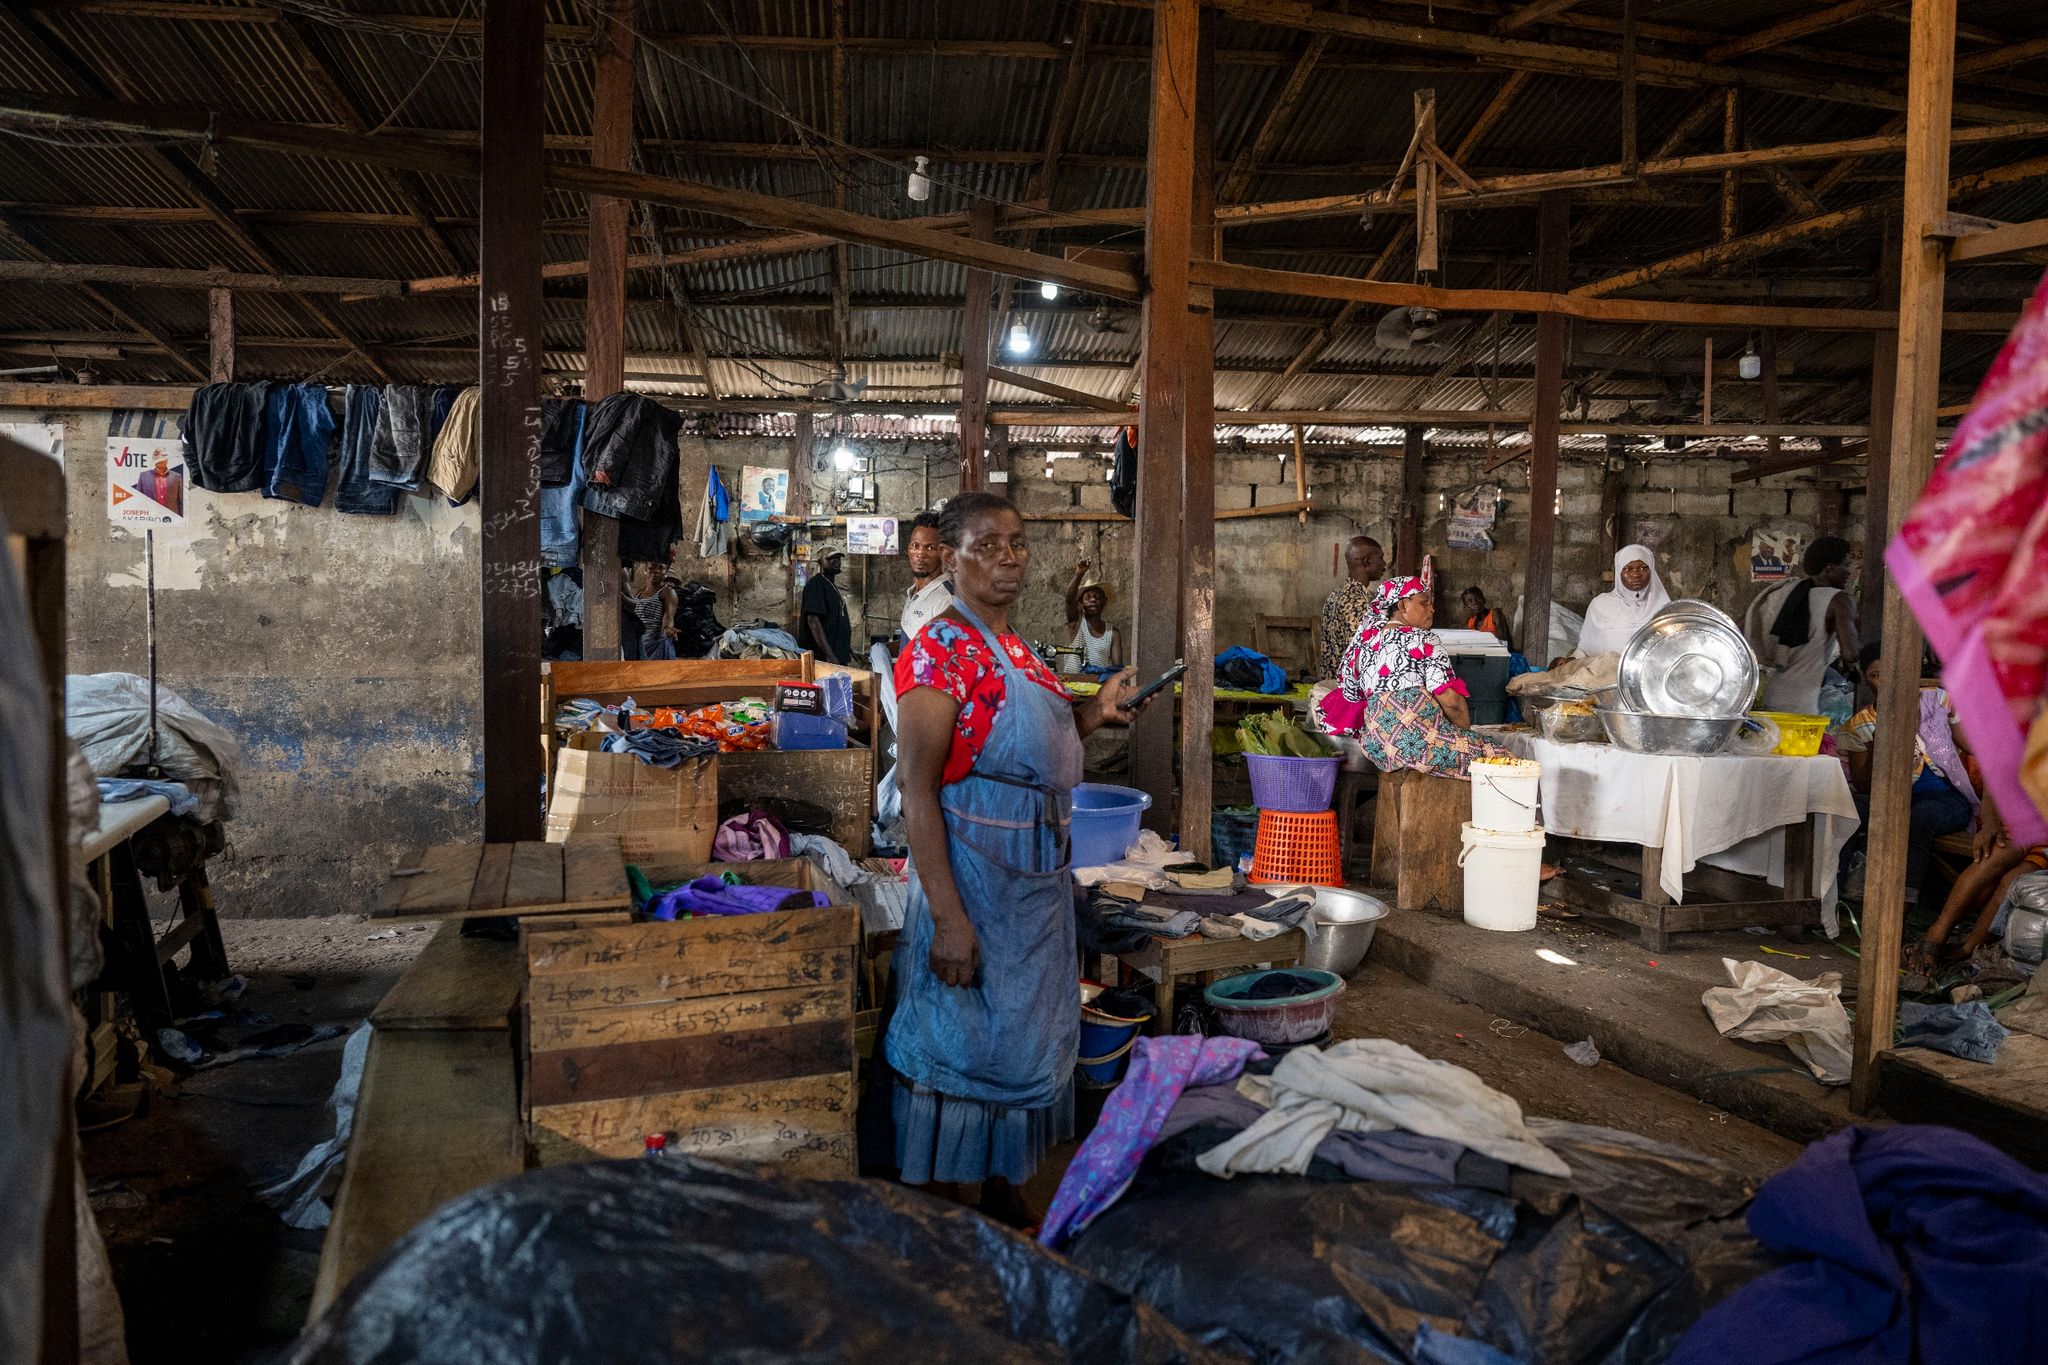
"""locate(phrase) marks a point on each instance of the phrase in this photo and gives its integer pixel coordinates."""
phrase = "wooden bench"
(437, 1114)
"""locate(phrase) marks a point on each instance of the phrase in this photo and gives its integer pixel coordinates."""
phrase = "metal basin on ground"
(1345, 924)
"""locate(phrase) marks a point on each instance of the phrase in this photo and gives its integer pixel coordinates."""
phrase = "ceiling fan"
(1419, 329)
(838, 389)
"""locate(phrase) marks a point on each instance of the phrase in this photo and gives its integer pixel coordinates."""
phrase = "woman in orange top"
(1479, 616)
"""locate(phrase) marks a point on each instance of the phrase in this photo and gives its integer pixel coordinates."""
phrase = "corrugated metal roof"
(758, 116)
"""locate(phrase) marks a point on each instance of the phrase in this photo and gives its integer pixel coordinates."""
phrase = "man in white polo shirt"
(930, 591)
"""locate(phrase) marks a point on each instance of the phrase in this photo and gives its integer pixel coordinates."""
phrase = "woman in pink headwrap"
(1396, 680)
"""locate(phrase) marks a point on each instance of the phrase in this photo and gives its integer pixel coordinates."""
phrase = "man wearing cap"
(1101, 644)
(824, 627)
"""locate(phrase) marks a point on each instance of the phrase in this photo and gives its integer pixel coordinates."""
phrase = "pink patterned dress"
(1398, 672)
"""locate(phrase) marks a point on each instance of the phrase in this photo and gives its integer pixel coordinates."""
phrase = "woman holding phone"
(986, 1030)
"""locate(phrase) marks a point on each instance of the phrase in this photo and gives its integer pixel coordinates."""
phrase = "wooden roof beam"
(916, 238)
(1772, 239)
(1376, 293)
(304, 47)
(1535, 12)
(1279, 118)
(2009, 54)
(1568, 59)
(1793, 29)
(107, 304)
(37, 36)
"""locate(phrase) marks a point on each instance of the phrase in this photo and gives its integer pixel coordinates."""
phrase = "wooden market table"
(1759, 836)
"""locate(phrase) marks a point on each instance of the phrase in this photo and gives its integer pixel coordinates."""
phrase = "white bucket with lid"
(1506, 793)
(1503, 872)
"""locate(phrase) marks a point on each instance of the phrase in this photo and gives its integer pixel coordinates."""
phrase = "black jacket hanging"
(1123, 475)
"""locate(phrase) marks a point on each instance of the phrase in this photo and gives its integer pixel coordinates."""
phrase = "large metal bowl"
(1690, 659)
(1643, 733)
(1345, 924)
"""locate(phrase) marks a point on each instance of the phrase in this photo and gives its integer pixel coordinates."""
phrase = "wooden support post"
(1300, 474)
(802, 453)
(1631, 161)
(220, 336)
(604, 315)
(1553, 237)
(974, 341)
(1428, 257)
(1198, 488)
(509, 332)
(1922, 255)
(1707, 384)
(1163, 419)
(1613, 501)
(1408, 531)
(1884, 387)
(1731, 179)
(1767, 352)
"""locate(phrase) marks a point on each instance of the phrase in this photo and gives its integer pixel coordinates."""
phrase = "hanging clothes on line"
(354, 491)
(561, 453)
(714, 517)
(298, 435)
(398, 447)
(224, 437)
(458, 448)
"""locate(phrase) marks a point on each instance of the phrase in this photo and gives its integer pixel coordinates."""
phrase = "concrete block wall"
(344, 651)
(340, 651)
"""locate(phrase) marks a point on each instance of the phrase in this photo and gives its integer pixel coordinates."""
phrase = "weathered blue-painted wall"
(340, 650)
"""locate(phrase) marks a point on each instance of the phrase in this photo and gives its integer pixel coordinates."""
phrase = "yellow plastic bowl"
(1798, 736)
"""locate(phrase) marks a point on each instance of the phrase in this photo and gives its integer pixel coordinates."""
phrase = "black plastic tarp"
(1610, 1267)
(682, 1260)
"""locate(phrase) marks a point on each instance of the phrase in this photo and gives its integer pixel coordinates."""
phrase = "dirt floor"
(208, 1272)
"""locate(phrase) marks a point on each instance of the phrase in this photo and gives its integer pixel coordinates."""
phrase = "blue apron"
(1010, 1038)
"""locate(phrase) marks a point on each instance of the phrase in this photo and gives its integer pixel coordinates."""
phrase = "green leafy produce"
(1275, 735)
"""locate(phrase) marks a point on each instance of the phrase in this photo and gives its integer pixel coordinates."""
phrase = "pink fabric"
(1340, 716)
(750, 838)
(1160, 1069)
(1972, 561)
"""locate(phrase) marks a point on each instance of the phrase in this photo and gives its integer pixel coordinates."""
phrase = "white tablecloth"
(1725, 810)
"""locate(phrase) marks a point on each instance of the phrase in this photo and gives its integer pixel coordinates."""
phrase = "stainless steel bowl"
(1645, 733)
(1345, 924)
(1691, 659)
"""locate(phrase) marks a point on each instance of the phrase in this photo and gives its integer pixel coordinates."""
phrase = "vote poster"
(145, 481)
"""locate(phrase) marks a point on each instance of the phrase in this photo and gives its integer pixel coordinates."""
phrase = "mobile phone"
(1166, 679)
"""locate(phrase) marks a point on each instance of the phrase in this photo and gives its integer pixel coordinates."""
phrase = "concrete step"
(1641, 1010)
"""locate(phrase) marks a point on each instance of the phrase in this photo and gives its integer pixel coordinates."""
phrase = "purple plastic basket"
(1292, 784)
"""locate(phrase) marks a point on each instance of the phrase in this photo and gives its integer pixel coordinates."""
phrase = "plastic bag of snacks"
(735, 727)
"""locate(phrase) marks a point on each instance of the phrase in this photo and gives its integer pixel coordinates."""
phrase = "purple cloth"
(1160, 1069)
(1910, 1243)
(711, 896)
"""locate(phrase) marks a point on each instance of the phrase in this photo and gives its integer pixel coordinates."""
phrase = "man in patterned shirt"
(1365, 565)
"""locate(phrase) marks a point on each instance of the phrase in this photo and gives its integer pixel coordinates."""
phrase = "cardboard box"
(657, 814)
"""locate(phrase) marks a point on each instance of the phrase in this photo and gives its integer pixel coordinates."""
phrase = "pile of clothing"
(1122, 917)
(1362, 1202)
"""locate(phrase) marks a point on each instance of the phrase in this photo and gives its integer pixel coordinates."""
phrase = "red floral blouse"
(958, 662)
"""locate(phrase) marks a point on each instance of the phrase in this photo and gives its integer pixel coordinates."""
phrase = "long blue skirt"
(962, 1141)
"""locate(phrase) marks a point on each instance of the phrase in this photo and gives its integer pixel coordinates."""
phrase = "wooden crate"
(733, 1036)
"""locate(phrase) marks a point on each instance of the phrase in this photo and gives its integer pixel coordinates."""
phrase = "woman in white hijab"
(1638, 594)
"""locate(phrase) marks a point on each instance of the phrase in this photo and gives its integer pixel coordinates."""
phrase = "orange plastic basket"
(1297, 846)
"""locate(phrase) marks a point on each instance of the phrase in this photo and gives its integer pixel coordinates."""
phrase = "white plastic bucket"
(1502, 874)
(1506, 793)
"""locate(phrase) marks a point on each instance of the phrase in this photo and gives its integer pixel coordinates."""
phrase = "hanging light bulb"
(1020, 339)
(842, 457)
(1751, 364)
(919, 186)
(1048, 291)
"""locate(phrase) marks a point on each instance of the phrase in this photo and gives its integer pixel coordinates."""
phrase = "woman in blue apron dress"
(987, 1020)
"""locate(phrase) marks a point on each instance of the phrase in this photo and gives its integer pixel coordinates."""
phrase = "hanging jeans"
(355, 492)
(295, 458)
(560, 506)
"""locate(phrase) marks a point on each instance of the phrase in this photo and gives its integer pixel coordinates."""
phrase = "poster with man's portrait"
(764, 493)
